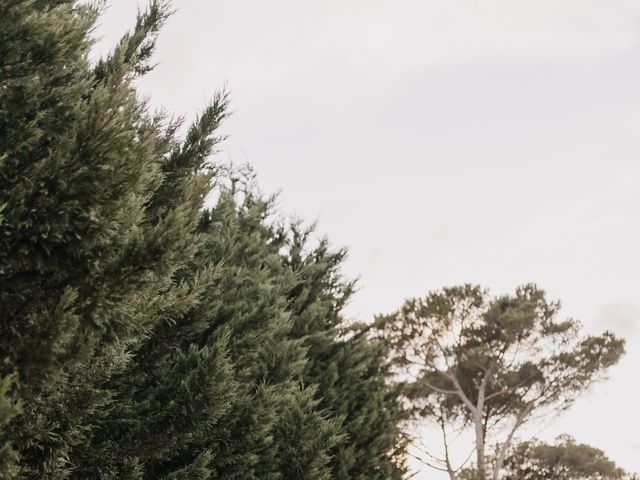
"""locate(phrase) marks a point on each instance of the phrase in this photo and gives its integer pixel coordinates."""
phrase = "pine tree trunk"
(480, 449)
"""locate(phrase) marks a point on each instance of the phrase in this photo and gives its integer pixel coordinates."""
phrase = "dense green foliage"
(348, 365)
(143, 336)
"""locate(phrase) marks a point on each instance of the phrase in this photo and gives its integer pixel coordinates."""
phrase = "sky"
(442, 142)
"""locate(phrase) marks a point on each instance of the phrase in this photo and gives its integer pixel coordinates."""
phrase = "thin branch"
(450, 470)
(440, 390)
(504, 448)
(428, 464)
(466, 460)
(507, 390)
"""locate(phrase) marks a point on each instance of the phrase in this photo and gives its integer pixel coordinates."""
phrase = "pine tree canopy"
(491, 364)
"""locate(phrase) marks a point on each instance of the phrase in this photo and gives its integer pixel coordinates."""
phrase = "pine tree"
(490, 365)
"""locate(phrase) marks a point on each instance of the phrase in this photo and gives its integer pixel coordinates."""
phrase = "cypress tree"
(347, 363)
(275, 430)
(89, 249)
(140, 336)
(217, 391)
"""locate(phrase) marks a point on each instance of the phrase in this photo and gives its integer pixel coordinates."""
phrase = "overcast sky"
(442, 141)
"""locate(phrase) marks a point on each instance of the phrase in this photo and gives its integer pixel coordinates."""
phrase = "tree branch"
(502, 450)
(460, 391)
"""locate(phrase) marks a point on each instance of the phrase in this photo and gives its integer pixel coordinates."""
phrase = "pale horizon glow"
(443, 142)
